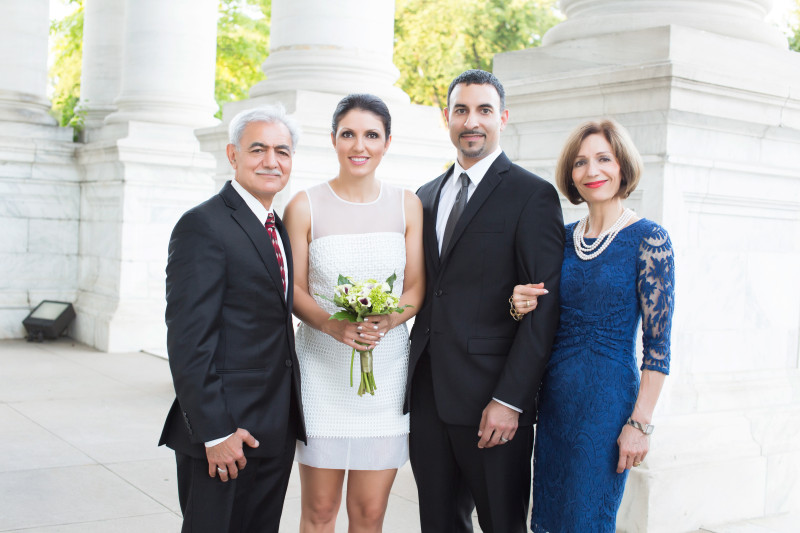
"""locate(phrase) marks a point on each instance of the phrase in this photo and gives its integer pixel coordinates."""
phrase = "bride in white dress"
(359, 227)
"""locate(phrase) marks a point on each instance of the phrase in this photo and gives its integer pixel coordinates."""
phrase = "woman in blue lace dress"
(595, 411)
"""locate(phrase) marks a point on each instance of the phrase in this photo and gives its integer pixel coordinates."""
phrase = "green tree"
(437, 40)
(794, 29)
(65, 72)
(242, 46)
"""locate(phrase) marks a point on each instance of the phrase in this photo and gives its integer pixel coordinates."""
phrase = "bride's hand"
(376, 326)
(353, 334)
(526, 297)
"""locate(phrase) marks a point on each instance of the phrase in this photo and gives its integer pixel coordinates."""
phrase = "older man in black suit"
(238, 412)
(474, 371)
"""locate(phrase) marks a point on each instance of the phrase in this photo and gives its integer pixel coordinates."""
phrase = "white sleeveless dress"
(345, 431)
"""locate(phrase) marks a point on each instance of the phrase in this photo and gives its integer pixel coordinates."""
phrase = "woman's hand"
(633, 448)
(525, 297)
(360, 335)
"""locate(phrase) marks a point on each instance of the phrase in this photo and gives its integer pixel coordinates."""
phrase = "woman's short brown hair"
(630, 162)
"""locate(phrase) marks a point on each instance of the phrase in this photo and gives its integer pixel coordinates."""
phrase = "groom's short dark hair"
(479, 77)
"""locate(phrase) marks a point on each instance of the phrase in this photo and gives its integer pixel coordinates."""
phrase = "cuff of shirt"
(517, 409)
(212, 443)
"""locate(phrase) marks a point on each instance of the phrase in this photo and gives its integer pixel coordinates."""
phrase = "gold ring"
(637, 463)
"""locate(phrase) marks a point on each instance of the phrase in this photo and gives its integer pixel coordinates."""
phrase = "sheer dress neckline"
(376, 200)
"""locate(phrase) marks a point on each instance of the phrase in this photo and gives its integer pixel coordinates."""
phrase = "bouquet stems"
(367, 383)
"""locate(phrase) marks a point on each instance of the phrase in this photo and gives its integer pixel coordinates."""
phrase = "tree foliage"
(437, 40)
(794, 29)
(242, 46)
(65, 72)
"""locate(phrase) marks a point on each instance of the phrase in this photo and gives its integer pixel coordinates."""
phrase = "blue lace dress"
(591, 381)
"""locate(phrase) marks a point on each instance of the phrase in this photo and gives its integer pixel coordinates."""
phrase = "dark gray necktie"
(455, 213)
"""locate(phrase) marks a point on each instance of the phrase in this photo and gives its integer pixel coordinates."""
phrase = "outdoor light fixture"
(48, 320)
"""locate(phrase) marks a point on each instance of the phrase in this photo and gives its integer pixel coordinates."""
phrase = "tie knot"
(464, 179)
(270, 220)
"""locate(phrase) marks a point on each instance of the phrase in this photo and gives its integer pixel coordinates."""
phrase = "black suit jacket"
(511, 232)
(229, 331)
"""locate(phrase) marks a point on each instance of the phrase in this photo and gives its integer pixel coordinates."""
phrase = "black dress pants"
(253, 502)
(452, 472)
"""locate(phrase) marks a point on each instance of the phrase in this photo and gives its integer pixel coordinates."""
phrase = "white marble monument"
(148, 83)
(39, 182)
(711, 95)
(320, 52)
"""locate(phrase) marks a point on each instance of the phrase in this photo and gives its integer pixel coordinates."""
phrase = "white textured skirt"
(345, 453)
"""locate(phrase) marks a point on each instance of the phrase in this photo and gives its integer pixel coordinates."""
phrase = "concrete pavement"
(78, 448)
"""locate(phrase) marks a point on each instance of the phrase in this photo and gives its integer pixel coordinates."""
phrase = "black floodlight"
(48, 320)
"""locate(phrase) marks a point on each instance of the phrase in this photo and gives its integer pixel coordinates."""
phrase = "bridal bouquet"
(358, 300)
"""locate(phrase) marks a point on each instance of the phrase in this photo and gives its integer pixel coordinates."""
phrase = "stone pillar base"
(39, 212)
(717, 120)
(139, 179)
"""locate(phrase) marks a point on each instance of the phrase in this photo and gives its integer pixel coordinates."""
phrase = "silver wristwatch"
(647, 429)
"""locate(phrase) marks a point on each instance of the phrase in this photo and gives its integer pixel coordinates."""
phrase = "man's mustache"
(269, 172)
(463, 133)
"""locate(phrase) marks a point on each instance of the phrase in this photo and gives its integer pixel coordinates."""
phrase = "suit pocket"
(490, 345)
(244, 379)
(477, 226)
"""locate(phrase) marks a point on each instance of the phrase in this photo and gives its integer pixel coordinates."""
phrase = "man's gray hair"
(268, 113)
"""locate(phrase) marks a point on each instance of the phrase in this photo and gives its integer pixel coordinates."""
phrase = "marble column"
(332, 47)
(101, 70)
(23, 62)
(320, 52)
(711, 96)
(144, 167)
(39, 188)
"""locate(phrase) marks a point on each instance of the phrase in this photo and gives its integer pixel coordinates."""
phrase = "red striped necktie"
(273, 235)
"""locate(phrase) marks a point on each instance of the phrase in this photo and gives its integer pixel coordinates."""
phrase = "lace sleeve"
(655, 285)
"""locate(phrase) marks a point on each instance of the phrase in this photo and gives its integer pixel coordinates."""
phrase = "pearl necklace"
(590, 251)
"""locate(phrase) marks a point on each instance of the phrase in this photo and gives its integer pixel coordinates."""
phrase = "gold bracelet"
(516, 315)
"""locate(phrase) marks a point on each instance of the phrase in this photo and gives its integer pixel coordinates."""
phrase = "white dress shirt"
(450, 189)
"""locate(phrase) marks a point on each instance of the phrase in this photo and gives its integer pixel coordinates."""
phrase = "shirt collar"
(477, 171)
(252, 202)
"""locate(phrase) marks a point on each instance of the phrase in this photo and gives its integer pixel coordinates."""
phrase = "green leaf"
(390, 281)
(325, 297)
(343, 315)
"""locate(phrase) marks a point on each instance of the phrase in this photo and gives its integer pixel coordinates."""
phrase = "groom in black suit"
(237, 412)
(474, 371)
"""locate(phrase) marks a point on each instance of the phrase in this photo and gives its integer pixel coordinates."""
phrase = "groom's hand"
(498, 425)
(227, 457)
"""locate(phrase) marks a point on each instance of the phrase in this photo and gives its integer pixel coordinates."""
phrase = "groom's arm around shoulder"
(196, 268)
(539, 247)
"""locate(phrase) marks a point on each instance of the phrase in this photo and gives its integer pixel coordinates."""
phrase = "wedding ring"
(527, 303)
(222, 470)
(637, 463)
(503, 440)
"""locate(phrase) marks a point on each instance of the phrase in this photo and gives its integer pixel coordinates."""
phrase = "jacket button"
(438, 293)
(288, 362)
(427, 331)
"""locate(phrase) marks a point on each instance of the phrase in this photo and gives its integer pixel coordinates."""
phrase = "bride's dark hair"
(366, 102)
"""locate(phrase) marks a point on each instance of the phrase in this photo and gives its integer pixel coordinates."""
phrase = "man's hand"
(498, 425)
(227, 457)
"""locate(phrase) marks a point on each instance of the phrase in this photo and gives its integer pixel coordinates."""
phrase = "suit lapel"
(258, 235)
(431, 199)
(490, 180)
